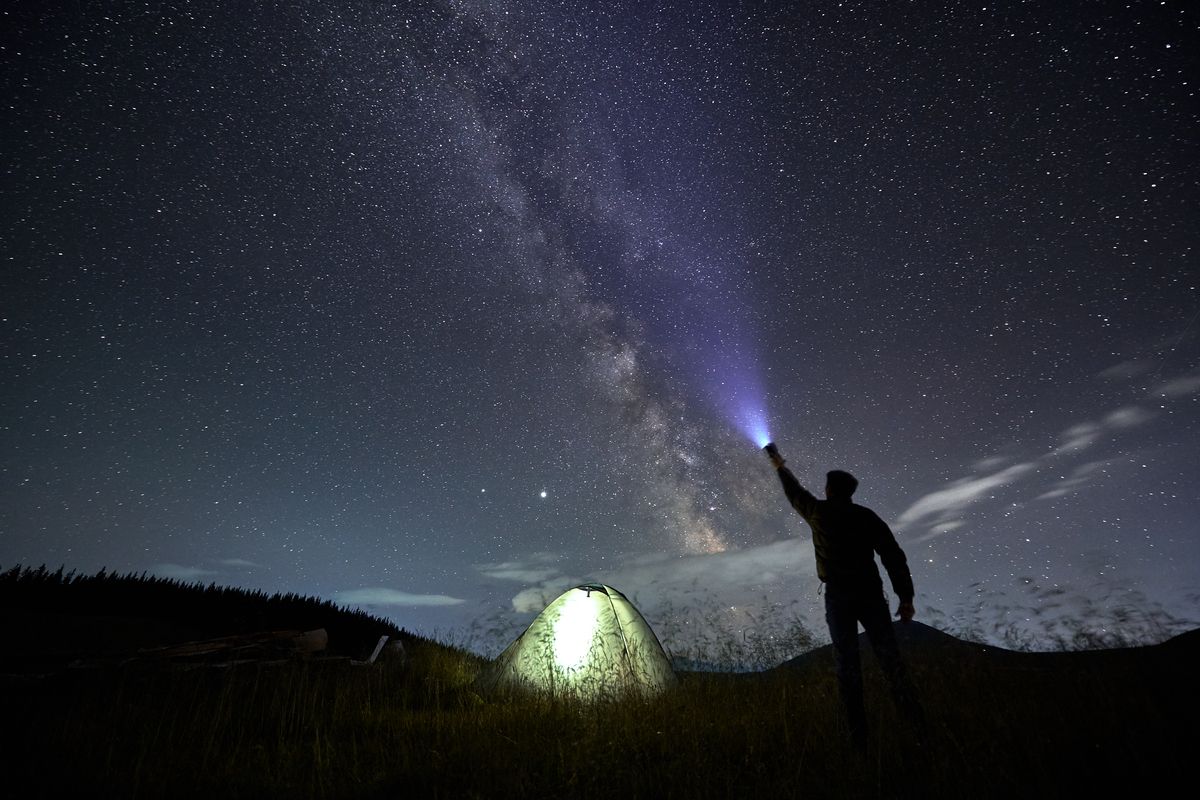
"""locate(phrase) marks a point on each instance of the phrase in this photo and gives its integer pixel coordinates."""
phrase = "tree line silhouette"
(203, 610)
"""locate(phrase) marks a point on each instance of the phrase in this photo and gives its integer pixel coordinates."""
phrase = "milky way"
(439, 307)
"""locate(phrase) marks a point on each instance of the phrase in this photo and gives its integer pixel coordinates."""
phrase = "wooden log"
(290, 641)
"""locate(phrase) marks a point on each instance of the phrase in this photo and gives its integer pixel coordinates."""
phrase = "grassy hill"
(50, 619)
(1005, 724)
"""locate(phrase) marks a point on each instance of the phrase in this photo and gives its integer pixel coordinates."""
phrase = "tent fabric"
(590, 642)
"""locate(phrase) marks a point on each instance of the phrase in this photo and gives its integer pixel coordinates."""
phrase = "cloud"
(1179, 387)
(745, 567)
(1078, 437)
(535, 598)
(1126, 370)
(1128, 417)
(1078, 477)
(941, 506)
(381, 596)
(940, 529)
(1085, 434)
(662, 577)
(239, 562)
(990, 463)
(537, 568)
(514, 571)
(962, 493)
(181, 573)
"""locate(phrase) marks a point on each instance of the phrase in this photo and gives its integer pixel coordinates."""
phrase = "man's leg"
(877, 621)
(841, 616)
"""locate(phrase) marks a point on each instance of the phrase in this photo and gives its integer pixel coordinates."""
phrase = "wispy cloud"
(1078, 477)
(521, 574)
(990, 463)
(1085, 434)
(940, 507)
(1078, 437)
(537, 568)
(734, 574)
(1126, 370)
(961, 494)
(1128, 417)
(180, 572)
(1177, 388)
(533, 599)
(941, 529)
(239, 562)
(381, 596)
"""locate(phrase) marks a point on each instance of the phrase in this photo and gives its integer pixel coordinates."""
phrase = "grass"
(1041, 725)
(1003, 724)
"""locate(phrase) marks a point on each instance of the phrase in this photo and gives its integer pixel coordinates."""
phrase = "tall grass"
(420, 729)
(1027, 725)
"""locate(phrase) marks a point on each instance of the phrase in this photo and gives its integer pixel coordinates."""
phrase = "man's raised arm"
(801, 499)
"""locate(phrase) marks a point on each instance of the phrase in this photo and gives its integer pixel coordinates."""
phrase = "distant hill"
(50, 618)
(922, 643)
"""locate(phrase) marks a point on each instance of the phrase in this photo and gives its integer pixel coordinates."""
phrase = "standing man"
(846, 538)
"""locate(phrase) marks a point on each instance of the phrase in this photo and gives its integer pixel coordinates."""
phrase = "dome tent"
(589, 643)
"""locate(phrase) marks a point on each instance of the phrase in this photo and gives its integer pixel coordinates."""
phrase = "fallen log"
(266, 643)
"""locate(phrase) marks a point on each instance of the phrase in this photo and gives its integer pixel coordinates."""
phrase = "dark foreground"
(1004, 725)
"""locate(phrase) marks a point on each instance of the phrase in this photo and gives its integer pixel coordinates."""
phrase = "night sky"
(440, 308)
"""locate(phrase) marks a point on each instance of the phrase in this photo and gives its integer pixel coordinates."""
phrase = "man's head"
(840, 485)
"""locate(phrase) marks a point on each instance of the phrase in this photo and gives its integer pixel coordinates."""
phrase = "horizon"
(702, 637)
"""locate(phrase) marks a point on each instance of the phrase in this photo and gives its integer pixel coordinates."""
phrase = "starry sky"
(439, 308)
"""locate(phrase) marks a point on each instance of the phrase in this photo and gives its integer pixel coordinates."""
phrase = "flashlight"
(773, 454)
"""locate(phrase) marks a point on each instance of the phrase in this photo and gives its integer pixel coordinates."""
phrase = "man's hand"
(906, 611)
(773, 454)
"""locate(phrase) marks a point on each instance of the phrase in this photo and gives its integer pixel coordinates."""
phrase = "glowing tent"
(590, 642)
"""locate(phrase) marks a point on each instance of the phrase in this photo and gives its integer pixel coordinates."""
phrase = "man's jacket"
(846, 538)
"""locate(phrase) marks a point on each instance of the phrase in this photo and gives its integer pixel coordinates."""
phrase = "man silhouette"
(846, 537)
